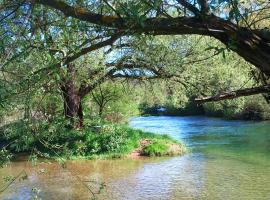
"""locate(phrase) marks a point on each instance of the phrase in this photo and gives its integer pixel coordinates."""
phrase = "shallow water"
(228, 160)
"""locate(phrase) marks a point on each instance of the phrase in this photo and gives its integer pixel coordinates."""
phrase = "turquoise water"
(227, 160)
(231, 158)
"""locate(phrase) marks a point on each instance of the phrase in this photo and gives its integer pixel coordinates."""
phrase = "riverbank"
(247, 115)
(93, 142)
(250, 109)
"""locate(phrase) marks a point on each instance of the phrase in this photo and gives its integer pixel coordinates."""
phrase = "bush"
(247, 108)
(157, 148)
(57, 139)
(164, 147)
(5, 157)
(252, 111)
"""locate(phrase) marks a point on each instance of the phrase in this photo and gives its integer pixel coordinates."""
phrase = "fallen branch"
(234, 94)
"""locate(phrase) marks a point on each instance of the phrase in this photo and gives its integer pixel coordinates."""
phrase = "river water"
(227, 160)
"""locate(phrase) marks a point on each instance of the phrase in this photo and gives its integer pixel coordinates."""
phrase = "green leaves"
(5, 157)
(57, 77)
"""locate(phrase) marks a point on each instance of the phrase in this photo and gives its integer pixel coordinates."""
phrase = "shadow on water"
(228, 160)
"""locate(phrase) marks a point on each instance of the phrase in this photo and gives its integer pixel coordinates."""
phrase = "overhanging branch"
(251, 45)
(235, 94)
(93, 47)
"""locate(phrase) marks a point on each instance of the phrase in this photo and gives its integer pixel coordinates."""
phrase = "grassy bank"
(95, 141)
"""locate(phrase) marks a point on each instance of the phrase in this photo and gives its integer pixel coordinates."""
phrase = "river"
(227, 160)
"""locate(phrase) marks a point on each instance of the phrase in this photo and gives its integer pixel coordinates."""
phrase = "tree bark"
(72, 101)
(235, 94)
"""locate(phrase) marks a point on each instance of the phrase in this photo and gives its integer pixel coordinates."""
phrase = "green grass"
(93, 142)
(164, 147)
(156, 149)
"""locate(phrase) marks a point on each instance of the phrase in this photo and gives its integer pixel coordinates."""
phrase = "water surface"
(228, 160)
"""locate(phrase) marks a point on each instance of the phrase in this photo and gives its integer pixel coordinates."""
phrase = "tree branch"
(81, 13)
(235, 94)
(251, 46)
(93, 47)
(204, 6)
(157, 25)
(84, 90)
(189, 6)
(120, 67)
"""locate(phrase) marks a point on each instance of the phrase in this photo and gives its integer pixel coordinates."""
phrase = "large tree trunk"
(72, 101)
(72, 107)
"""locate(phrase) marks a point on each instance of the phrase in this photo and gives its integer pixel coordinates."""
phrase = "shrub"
(57, 139)
(252, 111)
(157, 148)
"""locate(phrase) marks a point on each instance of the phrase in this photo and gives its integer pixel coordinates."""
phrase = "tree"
(54, 51)
(228, 22)
(76, 54)
(102, 96)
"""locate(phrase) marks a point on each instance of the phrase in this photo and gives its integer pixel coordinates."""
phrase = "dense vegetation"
(70, 66)
(58, 140)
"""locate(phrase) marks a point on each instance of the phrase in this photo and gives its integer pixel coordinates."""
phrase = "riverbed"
(227, 160)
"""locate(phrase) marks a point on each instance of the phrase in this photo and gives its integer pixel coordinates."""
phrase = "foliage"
(220, 72)
(49, 60)
(164, 146)
(156, 149)
(112, 101)
(5, 157)
(58, 140)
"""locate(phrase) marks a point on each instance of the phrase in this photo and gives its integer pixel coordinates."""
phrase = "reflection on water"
(229, 160)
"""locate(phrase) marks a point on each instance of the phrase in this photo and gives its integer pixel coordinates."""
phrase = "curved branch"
(253, 47)
(93, 47)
